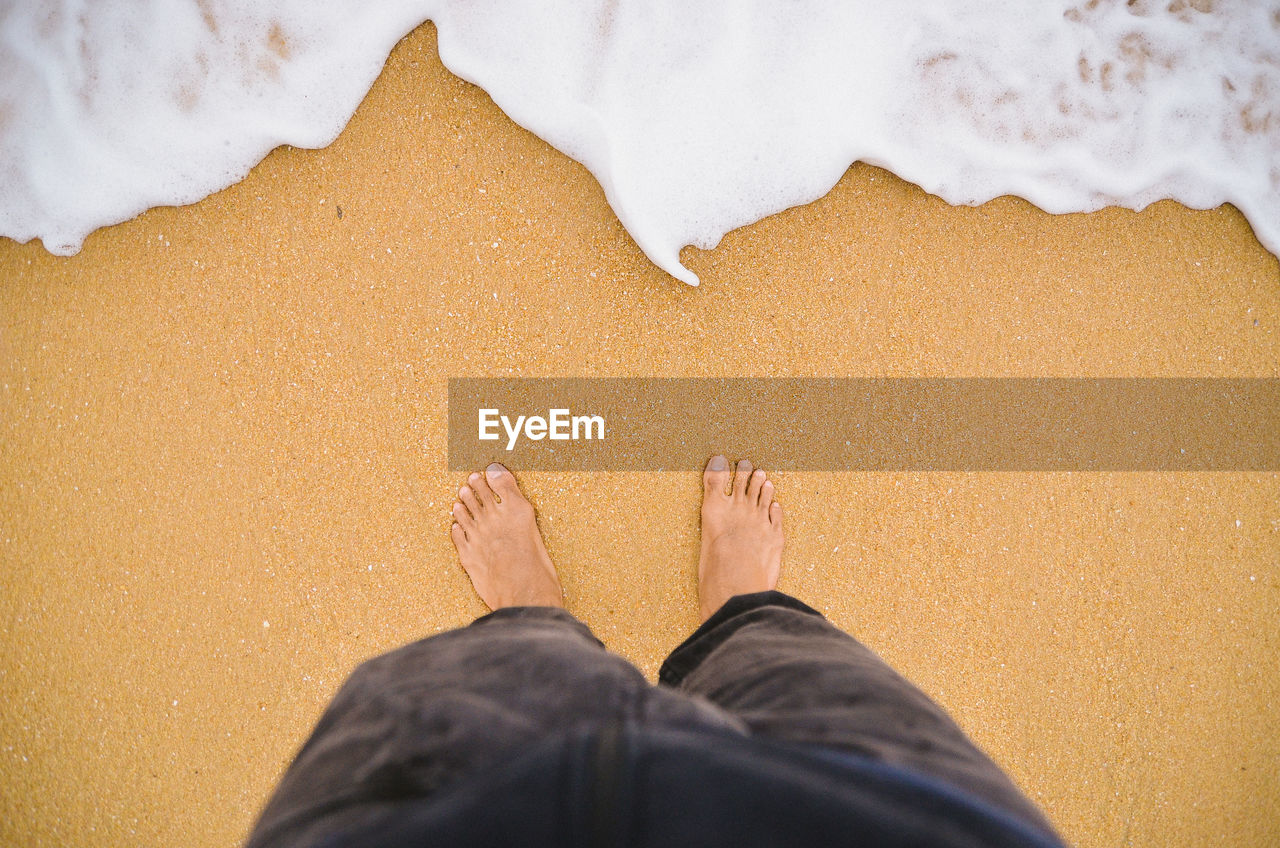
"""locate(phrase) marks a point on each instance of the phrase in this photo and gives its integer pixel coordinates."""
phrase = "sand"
(223, 479)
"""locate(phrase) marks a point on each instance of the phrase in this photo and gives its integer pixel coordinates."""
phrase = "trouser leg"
(407, 723)
(791, 675)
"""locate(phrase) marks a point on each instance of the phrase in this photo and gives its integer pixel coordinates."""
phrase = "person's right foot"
(741, 535)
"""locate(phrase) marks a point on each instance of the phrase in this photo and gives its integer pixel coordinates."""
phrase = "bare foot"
(741, 535)
(498, 541)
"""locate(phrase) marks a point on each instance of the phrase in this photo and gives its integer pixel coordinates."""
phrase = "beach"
(224, 483)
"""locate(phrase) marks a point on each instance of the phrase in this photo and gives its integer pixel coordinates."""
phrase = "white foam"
(696, 118)
(108, 109)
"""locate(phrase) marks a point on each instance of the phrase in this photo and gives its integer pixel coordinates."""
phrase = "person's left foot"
(497, 537)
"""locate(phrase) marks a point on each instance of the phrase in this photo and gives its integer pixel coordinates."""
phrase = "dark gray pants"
(409, 722)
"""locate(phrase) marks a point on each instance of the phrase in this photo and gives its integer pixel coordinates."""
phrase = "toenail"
(759, 472)
(742, 463)
(494, 471)
(718, 463)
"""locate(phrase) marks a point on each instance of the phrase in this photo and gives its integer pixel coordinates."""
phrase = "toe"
(766, 494)
(458, 535)
(468, 497)
(754, 484)
(462, 515)
(716, 476)
(775, 516)
(741, 479)
(482, 491)
(502, 482)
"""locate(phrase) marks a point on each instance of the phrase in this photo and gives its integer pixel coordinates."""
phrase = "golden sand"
(223, 479)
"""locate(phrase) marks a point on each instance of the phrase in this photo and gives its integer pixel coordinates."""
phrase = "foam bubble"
(695, 118)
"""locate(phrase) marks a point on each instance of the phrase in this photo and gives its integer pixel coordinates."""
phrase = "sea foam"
(696, 118)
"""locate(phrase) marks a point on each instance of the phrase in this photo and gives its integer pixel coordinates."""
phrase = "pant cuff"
(533, 615)
(726, 621)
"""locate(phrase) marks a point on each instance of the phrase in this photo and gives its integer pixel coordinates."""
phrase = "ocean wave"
(695, 118)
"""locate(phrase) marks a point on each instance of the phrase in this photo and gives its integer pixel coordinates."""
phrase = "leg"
(789, 674)
(410, 722)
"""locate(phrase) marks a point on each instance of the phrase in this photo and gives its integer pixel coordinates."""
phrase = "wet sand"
(223, 478)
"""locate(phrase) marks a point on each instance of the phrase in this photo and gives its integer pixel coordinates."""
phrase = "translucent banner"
(849, 424)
